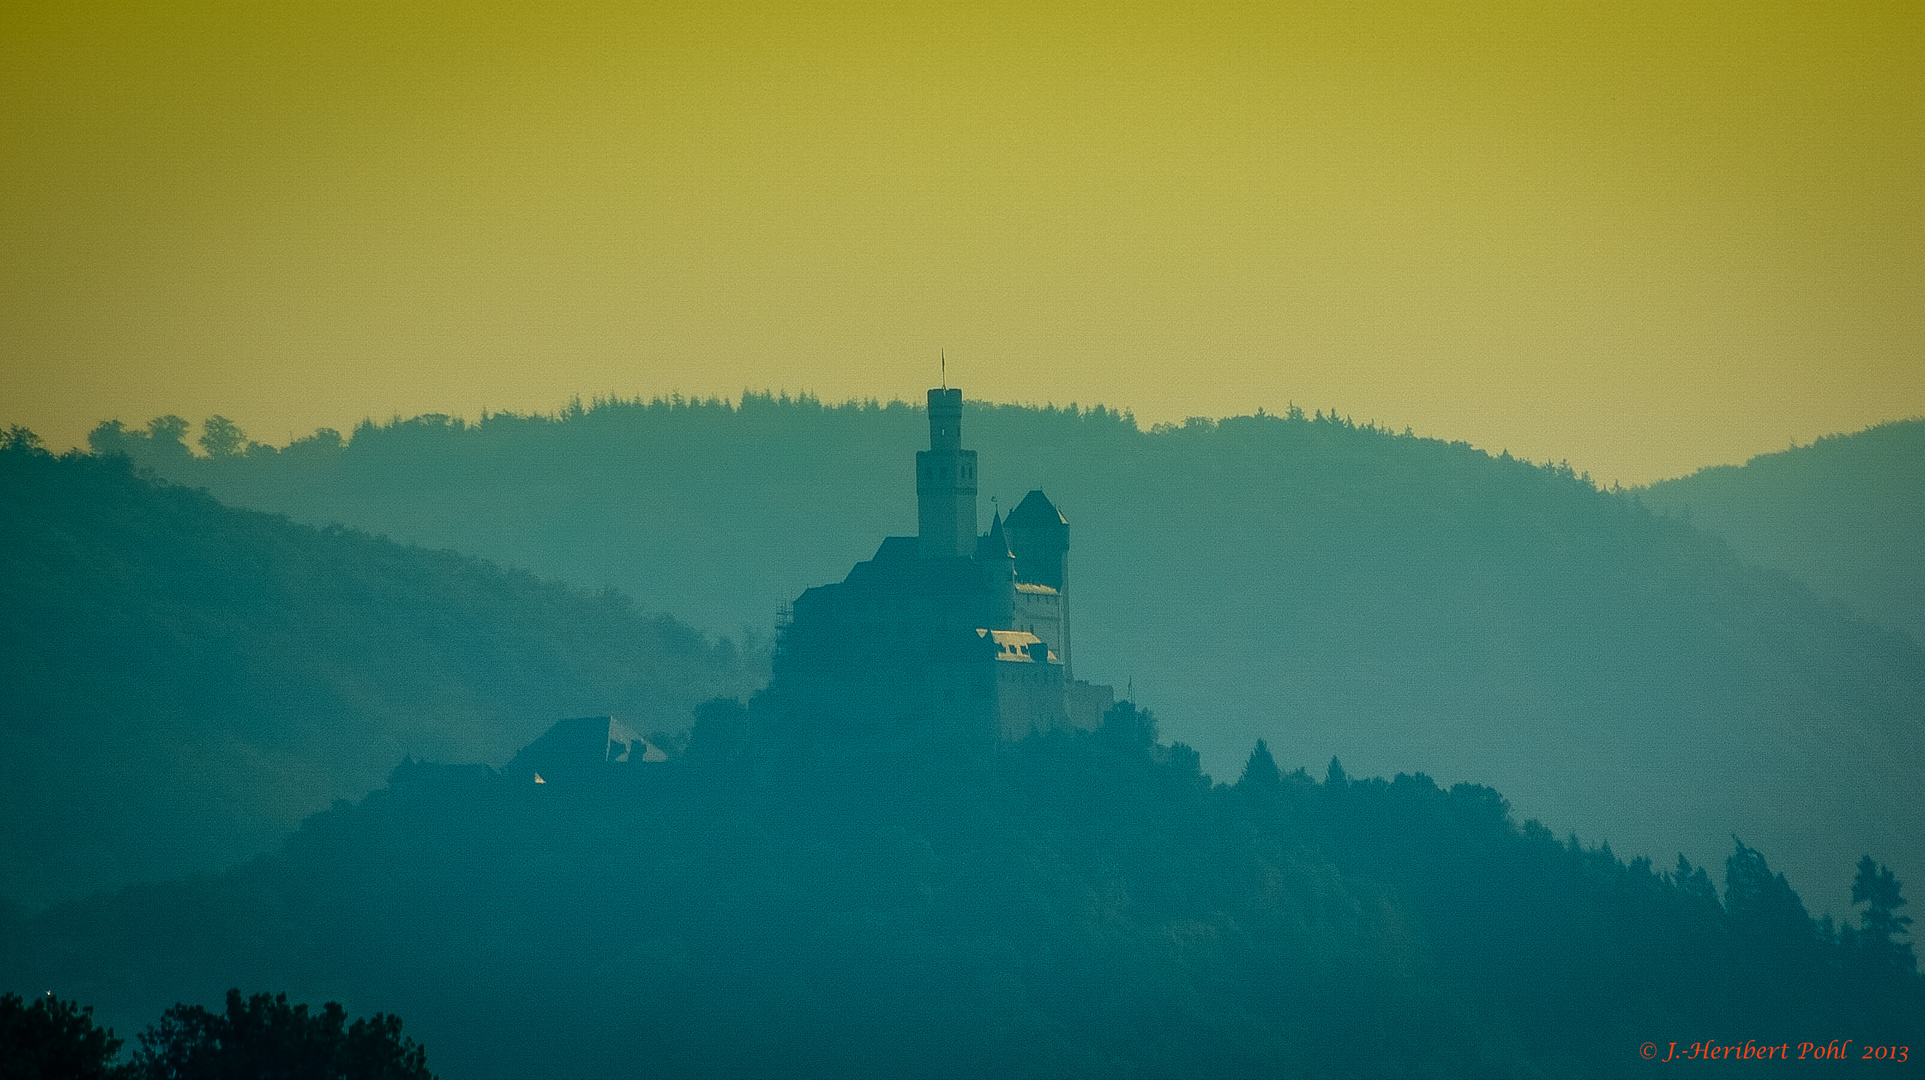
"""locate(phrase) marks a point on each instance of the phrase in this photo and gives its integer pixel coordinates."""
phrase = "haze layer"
(1641, 237)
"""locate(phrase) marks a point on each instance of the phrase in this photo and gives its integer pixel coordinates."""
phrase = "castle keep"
(945, 633)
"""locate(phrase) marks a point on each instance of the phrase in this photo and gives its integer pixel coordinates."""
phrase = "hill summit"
(1337, 589)
(1845, 515)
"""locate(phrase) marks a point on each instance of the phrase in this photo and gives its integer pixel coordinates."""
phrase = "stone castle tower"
(945, 482)
(945, 633)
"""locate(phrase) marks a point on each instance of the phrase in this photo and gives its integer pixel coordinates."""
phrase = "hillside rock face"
(1402, 603)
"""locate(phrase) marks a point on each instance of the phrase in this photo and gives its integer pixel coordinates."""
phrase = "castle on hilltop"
(945, 633)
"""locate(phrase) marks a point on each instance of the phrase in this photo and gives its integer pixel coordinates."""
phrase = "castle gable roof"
(896, 549)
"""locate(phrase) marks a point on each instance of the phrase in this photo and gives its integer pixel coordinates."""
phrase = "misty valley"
(698, 738)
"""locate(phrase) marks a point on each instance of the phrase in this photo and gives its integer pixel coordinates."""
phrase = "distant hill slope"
(185, 681)
(1404, 603)
(1079, 905)
(1845, 515)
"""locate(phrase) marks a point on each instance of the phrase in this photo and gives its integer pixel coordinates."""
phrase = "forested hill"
(186, 681)
(1405, 603)
(1845, 515)
(1074, 905)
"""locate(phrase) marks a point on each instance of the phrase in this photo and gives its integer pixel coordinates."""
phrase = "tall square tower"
(945, 483)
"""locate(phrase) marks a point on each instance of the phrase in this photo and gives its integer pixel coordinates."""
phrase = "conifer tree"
(1261, 770)
(1876, 888)
(1761, 904)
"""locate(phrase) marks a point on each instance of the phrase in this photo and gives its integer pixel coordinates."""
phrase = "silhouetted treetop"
(51, 1039)
(265, 1037)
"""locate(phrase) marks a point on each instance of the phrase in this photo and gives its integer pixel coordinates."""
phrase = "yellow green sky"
(1643, 237)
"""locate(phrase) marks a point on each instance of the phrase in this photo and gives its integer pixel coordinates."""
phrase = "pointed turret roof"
(996, 543)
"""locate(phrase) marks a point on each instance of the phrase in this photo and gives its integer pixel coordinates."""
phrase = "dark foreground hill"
(1845, 515)
(1076, 905)
(1404, 603)
(184, 682)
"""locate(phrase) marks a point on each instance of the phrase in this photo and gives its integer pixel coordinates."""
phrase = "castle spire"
(995, 545)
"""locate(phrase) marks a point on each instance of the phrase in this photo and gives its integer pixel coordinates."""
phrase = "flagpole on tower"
(943, 354)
